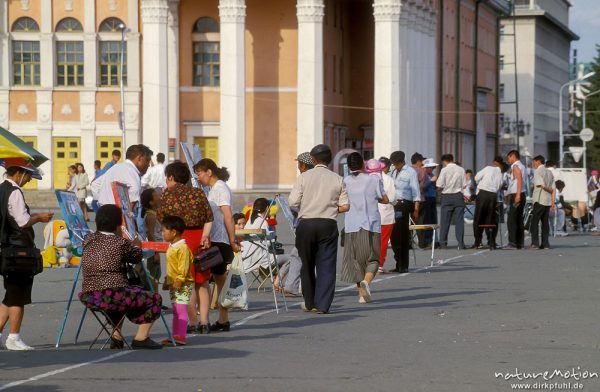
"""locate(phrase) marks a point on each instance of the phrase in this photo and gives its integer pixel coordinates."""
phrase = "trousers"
(516, 230)
(401, 234)
(317, 243)
(485, 214)
(453, 207)
(540, 213)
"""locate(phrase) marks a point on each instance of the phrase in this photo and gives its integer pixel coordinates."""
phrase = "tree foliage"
(593, 115)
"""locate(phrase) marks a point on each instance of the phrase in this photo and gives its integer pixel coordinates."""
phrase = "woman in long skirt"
(362, 227)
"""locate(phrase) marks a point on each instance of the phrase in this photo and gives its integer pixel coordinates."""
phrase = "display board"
(575, 184)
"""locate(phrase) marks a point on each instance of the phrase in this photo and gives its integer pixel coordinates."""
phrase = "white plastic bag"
(234, 294)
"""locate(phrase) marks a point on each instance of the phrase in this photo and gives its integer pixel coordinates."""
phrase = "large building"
(253, 82)
(542, 46)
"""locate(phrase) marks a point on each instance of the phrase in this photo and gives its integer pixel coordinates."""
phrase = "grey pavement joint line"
(237, 323)
(62, 370)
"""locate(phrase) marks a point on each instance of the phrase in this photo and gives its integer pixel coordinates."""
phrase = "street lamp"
(560, 121)
(124, 29)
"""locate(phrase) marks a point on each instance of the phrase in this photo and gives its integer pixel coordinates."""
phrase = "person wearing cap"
(429, 207)
(408, 199)
(416, 161)
(17, 231)
(289, 273)
(452, 181)
(320, 196)
(386, 211)
(489, 182)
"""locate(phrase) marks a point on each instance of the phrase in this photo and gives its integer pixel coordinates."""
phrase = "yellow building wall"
(59, 12)
(62, 98)
(15, 11)
(27, 98)
(107, 98)
(103, 11)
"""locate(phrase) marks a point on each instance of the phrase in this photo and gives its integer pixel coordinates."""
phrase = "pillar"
(310, 123)
(155, 88)
(4, 66)
(232, 135)
(173, 66)
(387, 77)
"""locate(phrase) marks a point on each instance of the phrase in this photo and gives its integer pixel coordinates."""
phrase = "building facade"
(542, 51)
(253, 82)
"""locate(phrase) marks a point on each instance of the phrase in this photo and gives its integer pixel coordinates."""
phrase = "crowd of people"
(380, 198)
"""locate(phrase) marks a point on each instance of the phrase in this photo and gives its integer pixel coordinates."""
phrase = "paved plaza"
(476, 321)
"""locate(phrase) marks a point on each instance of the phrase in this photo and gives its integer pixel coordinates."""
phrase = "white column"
(46, 46)
(155, 89)
(387, 77)
(90, 47)
(309, 114)
(44, 127)
(422, 73)
(87, 114)
(173, 64)
(432, 76)
(408, 140)
(4, 68)
(232, 135)
(404, 73)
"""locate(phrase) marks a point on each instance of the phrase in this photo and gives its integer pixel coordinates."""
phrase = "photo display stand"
(78, 229)
(192, 156)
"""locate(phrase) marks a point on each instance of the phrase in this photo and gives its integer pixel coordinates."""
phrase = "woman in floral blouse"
(190, 204)
(105, 284)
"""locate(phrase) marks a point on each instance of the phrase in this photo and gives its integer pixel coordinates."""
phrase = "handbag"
(21, 261)
(207, 258)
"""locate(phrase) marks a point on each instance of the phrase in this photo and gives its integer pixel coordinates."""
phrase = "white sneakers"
(366, 294)
(561, 234)
(16, 344)
(361, 300)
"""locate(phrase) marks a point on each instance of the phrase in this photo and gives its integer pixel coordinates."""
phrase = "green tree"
(593, 115)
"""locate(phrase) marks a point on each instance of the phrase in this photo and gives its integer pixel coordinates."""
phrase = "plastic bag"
(234, 294)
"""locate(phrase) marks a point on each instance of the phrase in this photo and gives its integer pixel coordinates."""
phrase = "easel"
(74, 235)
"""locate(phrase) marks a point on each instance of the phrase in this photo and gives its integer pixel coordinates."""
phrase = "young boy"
(179, 280)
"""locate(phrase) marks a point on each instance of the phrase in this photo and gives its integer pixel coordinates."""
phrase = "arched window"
(69, 25)
(206, 25)
(206, 56)
(111, 25)
(25, 24)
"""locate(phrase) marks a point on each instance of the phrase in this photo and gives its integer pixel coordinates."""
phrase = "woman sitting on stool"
(105, 284)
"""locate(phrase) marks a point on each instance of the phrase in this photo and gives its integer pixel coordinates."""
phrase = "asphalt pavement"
(475, 321)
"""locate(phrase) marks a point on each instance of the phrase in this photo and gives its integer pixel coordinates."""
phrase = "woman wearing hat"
(362, 224)
(17, 231)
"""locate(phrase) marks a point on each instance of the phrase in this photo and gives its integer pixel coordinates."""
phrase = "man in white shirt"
(155, 176)
(543, 182)
(516, 198)
(489, 182)
(452, 181)
(137, 160)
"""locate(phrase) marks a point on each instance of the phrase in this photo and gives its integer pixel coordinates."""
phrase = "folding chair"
(107, 326)
(414, 228)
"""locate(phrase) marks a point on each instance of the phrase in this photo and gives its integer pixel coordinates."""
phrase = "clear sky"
(585, 22)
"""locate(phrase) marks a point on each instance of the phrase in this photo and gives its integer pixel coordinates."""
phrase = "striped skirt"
(361, 255)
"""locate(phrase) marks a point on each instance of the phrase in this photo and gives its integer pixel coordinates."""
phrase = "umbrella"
(13, 149)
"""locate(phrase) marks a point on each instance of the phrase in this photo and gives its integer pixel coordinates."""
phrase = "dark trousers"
(429, 217)
(516, 230)
(485, 214)
(317, 243)
(540, 213)
(401, 234)
(453, 206)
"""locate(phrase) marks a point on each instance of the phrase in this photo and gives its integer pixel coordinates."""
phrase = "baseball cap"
(429, 162)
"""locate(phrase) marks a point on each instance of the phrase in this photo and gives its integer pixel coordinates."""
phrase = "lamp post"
(560, 121)
(124, 29)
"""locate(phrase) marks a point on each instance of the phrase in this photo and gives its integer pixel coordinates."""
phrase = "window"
(206, 58)
(69, 25)
(25, 24)
(110, 63)
(206, 25)
(69, 63)
(26, 63)
(111, 25)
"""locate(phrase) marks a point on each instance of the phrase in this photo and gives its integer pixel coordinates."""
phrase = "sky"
(584, 20)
